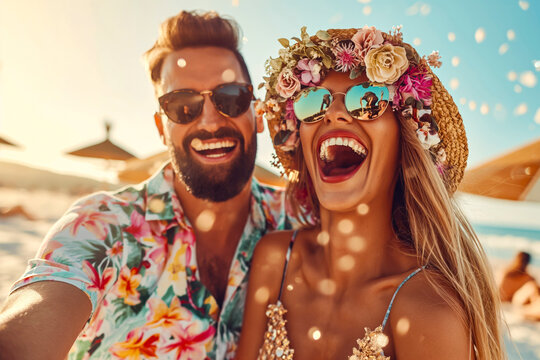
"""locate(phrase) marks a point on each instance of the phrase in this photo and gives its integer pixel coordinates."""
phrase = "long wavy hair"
(428, 220)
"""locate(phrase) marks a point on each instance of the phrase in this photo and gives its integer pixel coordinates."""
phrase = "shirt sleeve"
(77, 250)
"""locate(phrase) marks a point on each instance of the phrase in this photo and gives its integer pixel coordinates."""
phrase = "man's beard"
(214, 182)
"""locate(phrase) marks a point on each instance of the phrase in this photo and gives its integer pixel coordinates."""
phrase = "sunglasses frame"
(344, 96)
(166, 98)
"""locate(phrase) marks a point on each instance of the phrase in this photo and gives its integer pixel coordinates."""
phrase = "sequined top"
(276, 345)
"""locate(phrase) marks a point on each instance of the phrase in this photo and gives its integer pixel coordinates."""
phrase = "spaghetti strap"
(287, 257)
(395, 293)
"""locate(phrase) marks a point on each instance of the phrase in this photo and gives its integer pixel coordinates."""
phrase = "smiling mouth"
(213, 149)
(340, 157)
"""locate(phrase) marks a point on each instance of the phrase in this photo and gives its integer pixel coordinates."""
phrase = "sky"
(66, 66)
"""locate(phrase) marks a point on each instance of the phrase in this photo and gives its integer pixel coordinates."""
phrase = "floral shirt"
(133, 252)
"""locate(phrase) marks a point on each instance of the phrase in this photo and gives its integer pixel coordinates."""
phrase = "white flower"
(427, 137)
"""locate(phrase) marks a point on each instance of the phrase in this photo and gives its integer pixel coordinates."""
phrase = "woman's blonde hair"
(428, 220)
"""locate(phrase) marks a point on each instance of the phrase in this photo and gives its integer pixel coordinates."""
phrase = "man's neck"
(207, 216)
(218, 227)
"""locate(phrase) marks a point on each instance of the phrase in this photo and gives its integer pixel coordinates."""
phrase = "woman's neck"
(360, 245)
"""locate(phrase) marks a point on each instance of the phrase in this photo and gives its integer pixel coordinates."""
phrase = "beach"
(500, 234)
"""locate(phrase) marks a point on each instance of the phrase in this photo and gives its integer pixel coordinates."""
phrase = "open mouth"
(340, 157)
(213, 149)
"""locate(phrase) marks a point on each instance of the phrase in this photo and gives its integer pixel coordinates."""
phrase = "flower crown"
(384, 58)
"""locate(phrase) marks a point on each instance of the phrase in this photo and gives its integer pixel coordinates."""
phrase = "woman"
(387, 263)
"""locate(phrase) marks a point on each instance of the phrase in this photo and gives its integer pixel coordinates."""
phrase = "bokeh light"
(417, 41)
(323, 238)
(403, 325)
(528, 79)
(524, 5)
(455, 61)
(345, 226)
(480, 35)
(503, 49)
(512, 75)
(454, 83)
(537, 116)
(156, 205)
(327, 287)
(356, 243)
(517, 88)
(382, 340)
(472, 105)
(521, 109)
(346, 263)
(366, 10)
(362, 209)
(314, 333)
(451, 37)
(484, 109)
(510, 34)
(463, 101)
(228, 75)
(262, 294)
(181, 63)
(205, 220)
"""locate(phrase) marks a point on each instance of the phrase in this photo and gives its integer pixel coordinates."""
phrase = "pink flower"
(416, 84)
(190, 342)
(99, 283)
(287, 83)
(310, 72)
(365, 39)
(94, 221)
(346, 57)
(290, 116)
(138, 227)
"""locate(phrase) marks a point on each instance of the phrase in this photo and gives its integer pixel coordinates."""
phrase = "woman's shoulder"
(428, 315)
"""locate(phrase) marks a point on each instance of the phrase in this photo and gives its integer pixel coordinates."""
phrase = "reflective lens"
(363, 101)
(185, 105)
(366, 101)
(232, 99)
(310, 104)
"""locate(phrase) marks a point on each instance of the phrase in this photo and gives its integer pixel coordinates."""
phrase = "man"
(159, 270)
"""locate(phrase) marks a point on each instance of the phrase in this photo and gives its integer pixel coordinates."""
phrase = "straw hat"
(449, 155)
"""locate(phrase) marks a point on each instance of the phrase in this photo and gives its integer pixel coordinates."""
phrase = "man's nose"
(210, 119)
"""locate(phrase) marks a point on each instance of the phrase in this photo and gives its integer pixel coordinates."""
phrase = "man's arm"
(42, 320)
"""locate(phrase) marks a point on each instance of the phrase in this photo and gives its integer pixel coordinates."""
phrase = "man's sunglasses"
(184, 105)
(364, 101)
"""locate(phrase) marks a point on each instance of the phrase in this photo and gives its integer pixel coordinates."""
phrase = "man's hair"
(193, 29)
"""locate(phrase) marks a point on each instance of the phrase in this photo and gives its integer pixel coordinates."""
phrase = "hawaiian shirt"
(133, 252)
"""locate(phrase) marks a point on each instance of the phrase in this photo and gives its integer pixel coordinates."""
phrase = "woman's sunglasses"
(364, 101)
(185, 105)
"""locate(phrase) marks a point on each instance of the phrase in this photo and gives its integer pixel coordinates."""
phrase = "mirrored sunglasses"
(184, 105)
(364, 101)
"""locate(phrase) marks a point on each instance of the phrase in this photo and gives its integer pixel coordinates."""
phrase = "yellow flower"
(166, 316)
(127, 285)
(386, 63)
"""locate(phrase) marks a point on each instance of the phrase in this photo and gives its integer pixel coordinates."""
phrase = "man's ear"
(159, 125)
(259, 117)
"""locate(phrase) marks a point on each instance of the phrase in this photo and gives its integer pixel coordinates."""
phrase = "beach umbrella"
(512, 176)
(104, 150)
(6, 142)
(137, 170)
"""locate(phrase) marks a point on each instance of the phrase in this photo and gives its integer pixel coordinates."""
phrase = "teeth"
(339, 141)
(198, 145)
